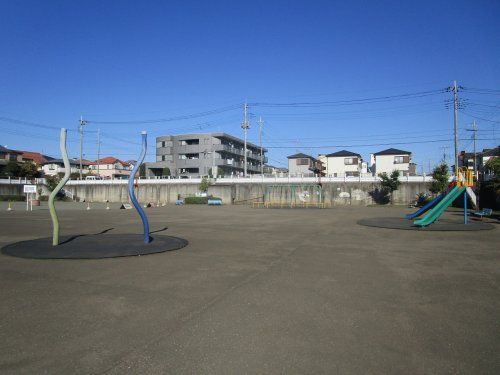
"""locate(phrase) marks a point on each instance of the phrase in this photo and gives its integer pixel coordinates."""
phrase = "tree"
(52, 181)
(28, 169)
(390, 183)
(493, 166)
(12, 169)
(204, 185)
(142, 170)
(440, 178)
(220, 172)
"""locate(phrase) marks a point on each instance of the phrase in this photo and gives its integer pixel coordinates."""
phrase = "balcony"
(189, 149)
(188, 163)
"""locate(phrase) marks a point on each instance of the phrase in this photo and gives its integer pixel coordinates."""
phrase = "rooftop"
(342, 153)
(300, 155)
(393, 151)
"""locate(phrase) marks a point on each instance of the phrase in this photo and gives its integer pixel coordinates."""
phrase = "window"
(302, 162)
(163, 144)
(398, 159)
(350, 161)
(187, 142)
(163, 158)
(12, 157)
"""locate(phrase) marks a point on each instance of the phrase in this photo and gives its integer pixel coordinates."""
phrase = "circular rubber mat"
(93, 246)
(441, 225)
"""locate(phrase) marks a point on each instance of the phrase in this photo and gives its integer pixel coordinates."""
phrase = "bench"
(214, 202)
(484, 212)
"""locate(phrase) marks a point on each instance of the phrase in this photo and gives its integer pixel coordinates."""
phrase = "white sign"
(30, 189)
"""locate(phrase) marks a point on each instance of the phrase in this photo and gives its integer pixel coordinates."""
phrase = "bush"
(423, 199)
(204, 185)
(198, 200)
(12, 198)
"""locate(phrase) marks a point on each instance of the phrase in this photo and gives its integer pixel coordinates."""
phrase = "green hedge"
(12, 198)
(198, 200)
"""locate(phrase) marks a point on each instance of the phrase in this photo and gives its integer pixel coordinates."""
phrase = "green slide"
(440, 208)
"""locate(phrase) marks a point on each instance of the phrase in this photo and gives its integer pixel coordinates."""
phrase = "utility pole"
(98, 149)
(455, 122)
(245, 126)
(214, 168)
(474, 131)
(261, 123)
(80, 129)
(444, 152)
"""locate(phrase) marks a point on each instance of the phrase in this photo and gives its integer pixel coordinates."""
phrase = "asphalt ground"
(274, 291)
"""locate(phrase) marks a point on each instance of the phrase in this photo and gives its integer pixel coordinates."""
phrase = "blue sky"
(132, 61)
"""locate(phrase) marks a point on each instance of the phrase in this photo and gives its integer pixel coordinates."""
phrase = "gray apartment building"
(193, 155)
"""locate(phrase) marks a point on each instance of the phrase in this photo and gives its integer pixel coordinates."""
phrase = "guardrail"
(21, 181)
(254, 179)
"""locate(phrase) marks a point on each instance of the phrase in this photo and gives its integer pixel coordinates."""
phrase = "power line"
(378, 99)
(479, 118)
(168, 119)
(374, 144)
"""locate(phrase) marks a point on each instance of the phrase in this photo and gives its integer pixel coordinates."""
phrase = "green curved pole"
(67, 172)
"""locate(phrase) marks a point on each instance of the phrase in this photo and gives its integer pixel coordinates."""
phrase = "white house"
(111, 167)
(343, 164)
(55, 166)
(301, 164)
(392, 159)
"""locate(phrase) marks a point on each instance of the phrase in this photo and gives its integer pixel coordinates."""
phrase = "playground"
(273, 291)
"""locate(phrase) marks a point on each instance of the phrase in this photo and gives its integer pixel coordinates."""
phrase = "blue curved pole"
(131, 193)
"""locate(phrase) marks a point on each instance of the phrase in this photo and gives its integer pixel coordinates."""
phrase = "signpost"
(28, 190)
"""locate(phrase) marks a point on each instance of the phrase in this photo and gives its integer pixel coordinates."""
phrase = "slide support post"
(465, 207)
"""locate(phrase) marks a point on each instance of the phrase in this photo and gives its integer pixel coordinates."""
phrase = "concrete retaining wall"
(336, 193)
(14, 189)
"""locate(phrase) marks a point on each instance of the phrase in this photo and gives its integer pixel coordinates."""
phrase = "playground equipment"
(435, 209)
(67, 171)
(292, 196)
(142, 214)
(463, 186)
(99, 245)
(432, 203)
(426, 207)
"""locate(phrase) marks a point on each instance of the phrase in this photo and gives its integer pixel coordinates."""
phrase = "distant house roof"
(110, 160)
(4, 149)
(342, 153)
(300, 155)
(393, 151)
(492, 151)
(36, 157)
